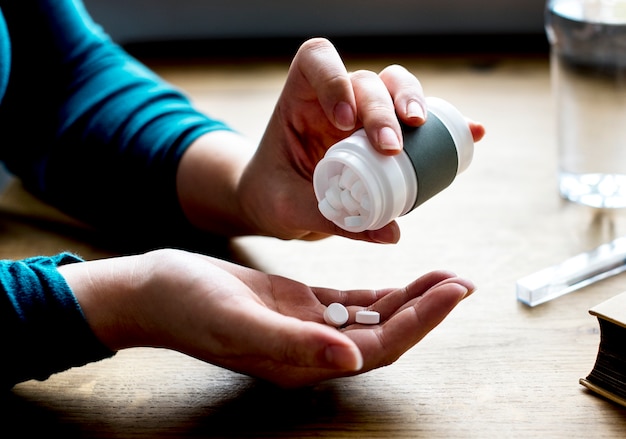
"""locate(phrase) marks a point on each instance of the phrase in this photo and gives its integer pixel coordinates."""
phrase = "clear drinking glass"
(588, 68)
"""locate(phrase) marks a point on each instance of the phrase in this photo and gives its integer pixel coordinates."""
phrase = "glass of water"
(588, 68)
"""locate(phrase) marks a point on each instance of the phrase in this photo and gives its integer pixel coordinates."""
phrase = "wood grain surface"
(493, 369)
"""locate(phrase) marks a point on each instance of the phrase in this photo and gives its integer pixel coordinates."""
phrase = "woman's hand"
(321, 104)
(271, 193)
(250, 322)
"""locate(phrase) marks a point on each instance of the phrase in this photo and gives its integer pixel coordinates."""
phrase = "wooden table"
(493, 368)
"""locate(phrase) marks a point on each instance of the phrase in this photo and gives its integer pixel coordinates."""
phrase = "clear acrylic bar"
(572, 274)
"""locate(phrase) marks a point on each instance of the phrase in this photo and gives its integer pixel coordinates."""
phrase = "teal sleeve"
(89, 128)
(43, 328)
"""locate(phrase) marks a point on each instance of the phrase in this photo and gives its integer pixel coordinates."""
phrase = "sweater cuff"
(43, 328)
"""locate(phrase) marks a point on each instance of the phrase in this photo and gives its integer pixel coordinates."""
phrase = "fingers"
(292, 353)
(366, 298)
(375, 108)
(279, 334)
(376, 100)
(316, 346)
(477, 129)
(383, 99)
(409, 100)
(320, 65)
(292, 344)
(409, 297)
(384, 344)
(419, 319)
(408, 96)
(389, 234)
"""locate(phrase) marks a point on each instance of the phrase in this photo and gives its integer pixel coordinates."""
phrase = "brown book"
(608, 376)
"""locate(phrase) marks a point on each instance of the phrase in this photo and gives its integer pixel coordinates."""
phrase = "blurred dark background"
(252, 28)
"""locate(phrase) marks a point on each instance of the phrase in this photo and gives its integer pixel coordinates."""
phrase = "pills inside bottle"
(360, 189)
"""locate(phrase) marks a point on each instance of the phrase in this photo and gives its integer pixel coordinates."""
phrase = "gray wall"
(131, 21)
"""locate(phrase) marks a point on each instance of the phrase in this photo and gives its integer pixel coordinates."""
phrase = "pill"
(336, 314)
(333, 195)
(365, 203)
(358, 190)
(328, 211)
(349, 203)
(347, 179)
(353, 221)
(368, 317)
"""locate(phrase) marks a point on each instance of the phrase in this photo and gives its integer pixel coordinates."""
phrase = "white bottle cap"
(360, 189)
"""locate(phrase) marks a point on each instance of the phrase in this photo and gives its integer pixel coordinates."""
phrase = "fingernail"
(468, 285)
(464, 294)
(415, 111)
(387, 235)
(469, 292)
(344, 116)
(466, 291)
(388, 140)
(344, 357)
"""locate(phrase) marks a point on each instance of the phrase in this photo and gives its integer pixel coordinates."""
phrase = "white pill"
(333, 195)
(353, 221)
(358, 190)
(347, 179)
(349, 203)
(368, 317)
(334, 181)
(336, 314)
(328, 211)
(365, 203)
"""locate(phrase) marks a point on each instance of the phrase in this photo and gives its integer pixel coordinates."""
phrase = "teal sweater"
(91, 130)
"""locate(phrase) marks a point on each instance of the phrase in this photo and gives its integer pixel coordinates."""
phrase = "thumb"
(305, 344)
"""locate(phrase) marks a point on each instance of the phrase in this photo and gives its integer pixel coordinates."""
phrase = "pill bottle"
(358, 188)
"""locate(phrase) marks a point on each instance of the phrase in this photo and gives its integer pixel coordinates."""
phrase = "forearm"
(99, 135)
(208, 182)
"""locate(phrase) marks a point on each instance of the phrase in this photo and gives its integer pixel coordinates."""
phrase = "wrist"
(208, 179)
(110, 292)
